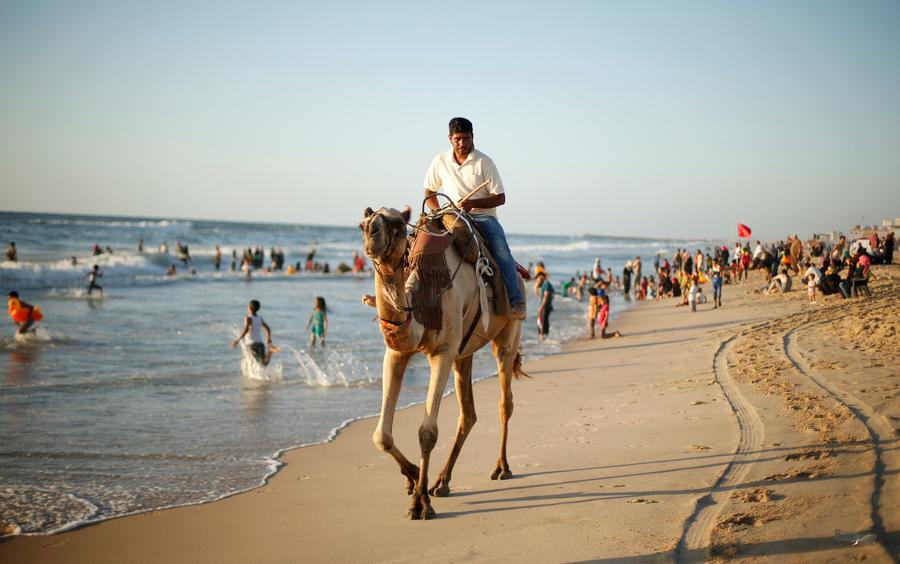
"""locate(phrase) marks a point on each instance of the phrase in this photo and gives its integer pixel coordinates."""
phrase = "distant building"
(865, 231)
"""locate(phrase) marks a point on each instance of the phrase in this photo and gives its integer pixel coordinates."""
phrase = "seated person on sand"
(846, 285)
(781, 283)
(830, 281)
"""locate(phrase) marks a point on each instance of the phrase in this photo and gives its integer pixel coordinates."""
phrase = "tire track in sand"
(694, 544)
(875, 425)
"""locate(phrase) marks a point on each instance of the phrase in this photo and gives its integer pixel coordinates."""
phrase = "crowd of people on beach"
(841, 268)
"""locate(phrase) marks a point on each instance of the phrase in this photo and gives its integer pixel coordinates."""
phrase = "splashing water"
(253, 370)
(330, 368)
(36, 335)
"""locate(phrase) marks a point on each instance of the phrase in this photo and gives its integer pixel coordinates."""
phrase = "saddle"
(427, 273)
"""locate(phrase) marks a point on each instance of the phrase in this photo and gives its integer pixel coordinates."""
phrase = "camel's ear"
(406, 213)
(368, 212)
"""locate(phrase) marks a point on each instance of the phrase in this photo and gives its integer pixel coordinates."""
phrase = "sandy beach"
(753, 431)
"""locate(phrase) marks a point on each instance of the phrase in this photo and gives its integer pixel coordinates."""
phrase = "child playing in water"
(603, 319)
(255, 325)
(318, 322)
(92, 277)
(24, 315)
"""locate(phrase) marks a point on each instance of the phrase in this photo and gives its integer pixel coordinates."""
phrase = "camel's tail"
(517, 367)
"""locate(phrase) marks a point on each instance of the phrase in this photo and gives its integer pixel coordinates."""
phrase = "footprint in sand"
(581, 440)
(63, 540)
(364, 467)
(699, 447)
(542, 446)
(527, 464)
(698, 402)
(641, 500)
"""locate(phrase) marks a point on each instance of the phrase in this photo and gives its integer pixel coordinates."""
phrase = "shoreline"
(275, 461)
(604, 425)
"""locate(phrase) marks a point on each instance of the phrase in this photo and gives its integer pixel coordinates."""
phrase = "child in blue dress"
(318, 323)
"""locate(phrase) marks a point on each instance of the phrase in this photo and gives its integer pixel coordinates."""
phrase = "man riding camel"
(463, 173)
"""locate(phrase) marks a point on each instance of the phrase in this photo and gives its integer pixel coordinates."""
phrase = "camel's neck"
(401, 331)
(390, 297)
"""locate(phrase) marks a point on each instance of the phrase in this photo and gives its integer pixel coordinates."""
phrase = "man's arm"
(268, 331)
(431, 199)
(492, 201)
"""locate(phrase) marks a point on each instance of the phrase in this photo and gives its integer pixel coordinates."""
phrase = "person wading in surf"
(254, 325)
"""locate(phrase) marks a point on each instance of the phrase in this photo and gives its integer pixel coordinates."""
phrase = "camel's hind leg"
(392, 379)
(463, 369)
(506, 350)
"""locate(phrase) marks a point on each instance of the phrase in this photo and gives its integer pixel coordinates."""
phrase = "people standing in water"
(92, 277)
(140, 246)
(317, 324)
(23, 314)
(594, 304)
(636, 275)
(545, 291)
(12, 255)
(626, 280)
(471, 180)
(255, 326)
(217, 258)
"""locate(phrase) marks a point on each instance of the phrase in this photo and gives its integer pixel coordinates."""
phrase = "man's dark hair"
(460, 125)
(13, 294)
(254, 305)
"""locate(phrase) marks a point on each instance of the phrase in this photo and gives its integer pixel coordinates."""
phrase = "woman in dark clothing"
(626, 279)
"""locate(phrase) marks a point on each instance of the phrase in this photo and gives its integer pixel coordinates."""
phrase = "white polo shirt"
(457, 181)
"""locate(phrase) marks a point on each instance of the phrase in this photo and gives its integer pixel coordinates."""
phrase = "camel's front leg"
(392, 379)
(428, 432)
(463, 371)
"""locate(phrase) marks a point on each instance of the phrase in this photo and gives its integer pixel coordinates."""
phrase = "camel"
(385, 241)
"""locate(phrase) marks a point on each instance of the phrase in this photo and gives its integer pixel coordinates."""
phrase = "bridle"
(405, 258)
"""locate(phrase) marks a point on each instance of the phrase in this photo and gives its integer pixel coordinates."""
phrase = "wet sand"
(752, 431)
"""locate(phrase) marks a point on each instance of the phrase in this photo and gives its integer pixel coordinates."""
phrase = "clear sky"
(626, 118)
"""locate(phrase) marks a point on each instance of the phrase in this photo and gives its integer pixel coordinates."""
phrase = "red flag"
(743, 231)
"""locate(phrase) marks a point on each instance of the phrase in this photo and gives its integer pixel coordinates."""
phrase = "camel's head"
(383, 230)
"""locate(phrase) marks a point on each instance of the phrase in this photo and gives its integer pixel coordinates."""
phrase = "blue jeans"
(717, 287)
(496, 240)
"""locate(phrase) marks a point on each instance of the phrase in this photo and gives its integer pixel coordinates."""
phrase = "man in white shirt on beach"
(464, 172)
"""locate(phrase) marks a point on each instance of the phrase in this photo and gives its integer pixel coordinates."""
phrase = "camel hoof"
(413, 514)
(500, 474)
(440, 491)
(427, 513)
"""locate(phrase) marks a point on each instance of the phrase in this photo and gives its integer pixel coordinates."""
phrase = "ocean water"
(134, 402)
